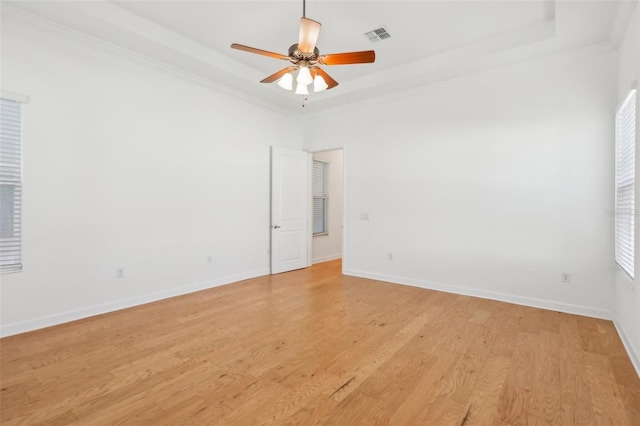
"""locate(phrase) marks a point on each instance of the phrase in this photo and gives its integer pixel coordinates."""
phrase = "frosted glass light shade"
(304, 76)
(286, 81)
(301, 89)
(319, 84)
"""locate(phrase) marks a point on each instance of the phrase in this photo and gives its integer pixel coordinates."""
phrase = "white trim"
(344, 206)
(465, 59)
(342, 255)
(625, 172)
(473, 75)
(158, 33)
(327, 258)
(629, 93)
(77, 314)
(634, 357)
(621, 22)
(15, 97)
(485, 294)
(624, 277)
(52, 28)
(309, 208)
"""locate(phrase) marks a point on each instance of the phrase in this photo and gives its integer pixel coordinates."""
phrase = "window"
(625, 183)
(10, 185)
(320, 189)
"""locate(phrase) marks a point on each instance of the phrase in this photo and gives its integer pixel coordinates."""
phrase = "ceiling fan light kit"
(286, 81)
(304, 75)
(319, 84)
(306, 60)
(301, 89)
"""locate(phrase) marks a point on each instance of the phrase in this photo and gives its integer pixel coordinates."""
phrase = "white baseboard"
(327, 258)
(51, 320)
(485, 294)
(635, 357)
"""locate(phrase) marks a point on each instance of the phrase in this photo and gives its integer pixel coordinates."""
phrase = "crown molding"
(621, 21)
(51, 28)
(453, 59)
(473, 73)
(435, 71)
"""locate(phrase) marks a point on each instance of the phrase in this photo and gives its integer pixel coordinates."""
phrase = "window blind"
(320, 190)
(10, 185)
(625, 183)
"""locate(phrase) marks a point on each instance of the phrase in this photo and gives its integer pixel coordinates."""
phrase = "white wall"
(627, 294)
(128, 166)
(329, 247)
(490, 186)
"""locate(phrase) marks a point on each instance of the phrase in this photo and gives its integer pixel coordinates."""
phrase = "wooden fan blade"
(258, 51)
(364, 57)
(309, 32)
(273, 77)
(331, 83)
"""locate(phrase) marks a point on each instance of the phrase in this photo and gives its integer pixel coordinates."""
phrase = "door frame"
(343, 148)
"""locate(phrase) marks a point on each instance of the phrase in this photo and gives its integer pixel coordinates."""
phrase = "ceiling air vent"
(378, 34)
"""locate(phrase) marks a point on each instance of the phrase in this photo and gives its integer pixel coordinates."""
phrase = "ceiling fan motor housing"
(296, 55)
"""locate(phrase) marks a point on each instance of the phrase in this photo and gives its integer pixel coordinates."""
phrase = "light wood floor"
(314, 347)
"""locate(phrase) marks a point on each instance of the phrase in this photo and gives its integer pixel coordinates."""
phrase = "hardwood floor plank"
(630, 396)
(582, 396)
(16, 393)
(480, 317)
(314, 413)
(485, 396)
(255, 399)
(443, 411)
(514, 405)
(396, 379)
(293, 399)
(64, 418)
(505, 334)
(426, 391)
(608, 408)
(533, 420)
(459, 385)
(185, 411)
(315, 347)
(516, 398)
(120, 413)
(354, 409)
(374, 360)
(105, 395)
(545, 392)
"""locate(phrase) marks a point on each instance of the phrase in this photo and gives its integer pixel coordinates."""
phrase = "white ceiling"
(431, 41)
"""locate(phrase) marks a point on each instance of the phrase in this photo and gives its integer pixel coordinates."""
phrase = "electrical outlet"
(120, 273)
(209, 259)
(565, 277)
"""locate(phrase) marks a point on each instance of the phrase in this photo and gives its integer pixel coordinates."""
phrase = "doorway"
(327, 177)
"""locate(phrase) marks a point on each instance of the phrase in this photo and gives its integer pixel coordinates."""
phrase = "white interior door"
(289, 209)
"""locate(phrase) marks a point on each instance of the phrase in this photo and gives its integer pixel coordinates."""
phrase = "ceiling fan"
(305, 58)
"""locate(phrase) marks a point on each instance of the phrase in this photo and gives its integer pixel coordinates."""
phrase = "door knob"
(276, 226)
